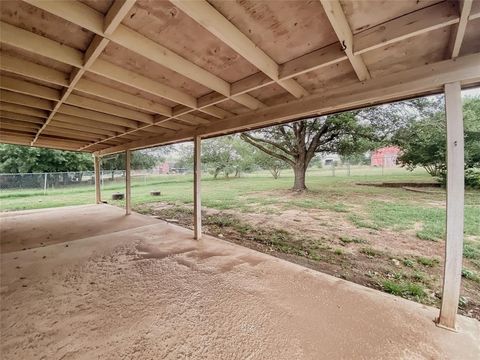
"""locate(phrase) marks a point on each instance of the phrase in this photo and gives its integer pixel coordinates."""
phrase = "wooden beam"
(455, 206)
(197, 194)
(207, 16)
(14, 138)
(69, 134)
(28, 88)
(336, 16)
(98, 193)
(401, 85)
(97, 116)
(81, 127)
(115, 15)
(416, 23)
(121, 97)
(128, 183)
(458, 33)
(24, 110)
(18, 125)
(96, 105)
(33, 70)
(91, 19)
(94, 50)
(20, 117)
(315, 60)
(21, 99)
(127, 77)
(40, 45)
(72, 119)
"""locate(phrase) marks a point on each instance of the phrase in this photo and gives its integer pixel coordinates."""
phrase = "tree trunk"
(299, 171)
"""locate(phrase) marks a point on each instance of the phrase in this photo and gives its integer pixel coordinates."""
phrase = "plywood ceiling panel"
(129, 60)
(420, 50)
(471, 42)
(128, 89)
(301, 67)
(31, 18)
(277, 28)
(364, 14)
(173, 29)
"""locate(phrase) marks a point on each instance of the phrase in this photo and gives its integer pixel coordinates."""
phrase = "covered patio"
(114, 76)
(143, 288)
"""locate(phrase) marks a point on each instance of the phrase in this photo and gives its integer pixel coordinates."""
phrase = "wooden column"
(128, 188)
(197, 175)
(455, 201)
(96, 166)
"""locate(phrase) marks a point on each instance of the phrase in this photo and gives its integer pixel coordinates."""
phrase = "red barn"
(386, 156)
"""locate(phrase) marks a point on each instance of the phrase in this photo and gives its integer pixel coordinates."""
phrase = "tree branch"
(255, 139)
(250, 140)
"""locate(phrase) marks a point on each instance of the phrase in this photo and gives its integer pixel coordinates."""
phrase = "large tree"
(347, 133)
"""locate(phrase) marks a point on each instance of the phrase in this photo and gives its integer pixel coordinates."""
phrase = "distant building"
(330, 159)
(386, 156)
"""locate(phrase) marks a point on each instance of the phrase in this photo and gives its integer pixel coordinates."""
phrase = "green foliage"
(425, 261)
(471, 250)
(25, 159)
(470, 275)
(219, 154)
(404, 289)
(370, 252)
(348, 240)
(408, 262)
(423, 141)
(142, 159)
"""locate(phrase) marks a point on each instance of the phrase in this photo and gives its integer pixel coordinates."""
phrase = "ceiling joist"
(207, 16)
(340, 25)
(458, 33)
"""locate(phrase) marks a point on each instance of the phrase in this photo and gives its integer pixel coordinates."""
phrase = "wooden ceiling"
(105, 76)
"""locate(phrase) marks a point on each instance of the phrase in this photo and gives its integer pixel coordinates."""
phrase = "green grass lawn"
(369, 207)
(353, 221)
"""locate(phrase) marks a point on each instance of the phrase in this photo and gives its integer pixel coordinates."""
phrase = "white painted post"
(197, 177)
(128, 187)
(455, 204)
(96, 165)
(45, 185)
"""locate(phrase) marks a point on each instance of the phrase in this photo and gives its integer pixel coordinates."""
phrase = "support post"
(455, 206)
(45, 184)
(197, 175)
(128, 188)
(96, 166)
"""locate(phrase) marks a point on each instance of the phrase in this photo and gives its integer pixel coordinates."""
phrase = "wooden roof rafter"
(212, 20)
(112, 101)
(458, 32)
(405, 84)
(92, 20)
(340, 25)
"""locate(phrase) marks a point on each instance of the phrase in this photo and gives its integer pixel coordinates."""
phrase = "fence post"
(96, 163)
(45, 184)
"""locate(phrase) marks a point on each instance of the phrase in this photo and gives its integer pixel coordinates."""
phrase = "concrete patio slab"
(151, 292)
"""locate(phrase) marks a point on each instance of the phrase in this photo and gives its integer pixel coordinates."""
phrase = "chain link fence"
(62, 180)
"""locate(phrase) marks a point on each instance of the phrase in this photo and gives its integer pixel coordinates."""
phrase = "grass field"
(386, 238)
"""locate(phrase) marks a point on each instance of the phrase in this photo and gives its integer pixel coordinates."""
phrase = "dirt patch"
(393, 261)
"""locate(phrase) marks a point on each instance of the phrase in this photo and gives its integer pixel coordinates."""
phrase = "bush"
(472, 178)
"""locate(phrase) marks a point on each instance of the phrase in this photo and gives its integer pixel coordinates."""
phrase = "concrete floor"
(93, 283)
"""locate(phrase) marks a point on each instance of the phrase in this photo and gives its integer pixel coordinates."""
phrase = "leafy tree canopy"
(423, 141)
(25, 159)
